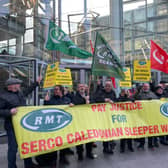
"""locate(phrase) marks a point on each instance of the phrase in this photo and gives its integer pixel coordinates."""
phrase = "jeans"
(12, 150)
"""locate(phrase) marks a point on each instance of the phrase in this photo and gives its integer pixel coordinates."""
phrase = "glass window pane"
(29, 22)
(140, 29)
(162, 10)
(162, 25)
(127, 45)
(128, 58)
(151, 26)
(139, 14)
(127, 17)
(12, 41)
(160, 1)
(68, 8)
(3, 49)
(151, 11)
(101, 7)
(28, 37)
(127, 31)
(12, 50)
(28, 49)
(138, 55)
(3, 43)
(138, 43)
(133, 5)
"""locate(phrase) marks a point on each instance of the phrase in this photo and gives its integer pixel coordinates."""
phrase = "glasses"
(56, 89)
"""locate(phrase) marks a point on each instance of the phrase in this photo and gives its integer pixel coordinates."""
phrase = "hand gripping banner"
(43, 129)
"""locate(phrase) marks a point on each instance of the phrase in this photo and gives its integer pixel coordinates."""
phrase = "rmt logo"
(46, 120)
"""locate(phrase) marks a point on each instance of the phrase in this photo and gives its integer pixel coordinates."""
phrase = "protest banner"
(43, 129)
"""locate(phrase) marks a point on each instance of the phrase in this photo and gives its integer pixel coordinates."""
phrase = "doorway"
(26, 69)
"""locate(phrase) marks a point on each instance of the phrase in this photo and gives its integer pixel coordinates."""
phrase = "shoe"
(139, 147)
(108, 151)
(91, 156)
(156, 144)
(94, 145)
(163, 143)
(131, 149)
(70, 152)
(64, 161)
(80, 157)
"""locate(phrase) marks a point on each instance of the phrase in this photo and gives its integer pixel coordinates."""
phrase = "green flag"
(58, 40)
(105, 61)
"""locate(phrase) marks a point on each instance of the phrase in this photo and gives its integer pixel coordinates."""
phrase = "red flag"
(113, 81)
(159, 58)
(91, 45)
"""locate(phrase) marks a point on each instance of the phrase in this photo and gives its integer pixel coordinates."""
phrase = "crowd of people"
(12, 97)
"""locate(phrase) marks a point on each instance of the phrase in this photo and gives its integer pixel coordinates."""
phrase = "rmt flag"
(159, 58)
(105, 61)
(60, 41)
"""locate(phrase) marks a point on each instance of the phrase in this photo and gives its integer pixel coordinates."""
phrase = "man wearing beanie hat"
(11, 98)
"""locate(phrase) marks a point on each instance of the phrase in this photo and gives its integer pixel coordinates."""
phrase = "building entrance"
(24, 68)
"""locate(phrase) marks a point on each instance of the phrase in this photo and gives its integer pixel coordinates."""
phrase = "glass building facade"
(24, 30)
(127, 25)
(144, 20)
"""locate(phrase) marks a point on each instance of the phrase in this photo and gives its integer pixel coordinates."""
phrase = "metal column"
(82, 76)
(117, 34)
(35, 93)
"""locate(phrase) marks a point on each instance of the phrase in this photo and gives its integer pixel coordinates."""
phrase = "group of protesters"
(12, 97)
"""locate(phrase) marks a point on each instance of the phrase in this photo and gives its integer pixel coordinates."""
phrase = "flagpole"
(90, 80)
(90, 77)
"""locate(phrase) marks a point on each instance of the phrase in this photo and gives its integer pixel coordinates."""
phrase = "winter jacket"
(57, 100)
(9, 100)
(146, 96)
(101, 95)
(124, 99)
(78, 99)
(159, 96)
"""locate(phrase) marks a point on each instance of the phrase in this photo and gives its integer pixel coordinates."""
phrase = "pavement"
(139, 159)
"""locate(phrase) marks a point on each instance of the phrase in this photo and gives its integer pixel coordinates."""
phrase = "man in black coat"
(10, 99)
(81, 98)
(50, 159)
(146, 94)
(123, 97)
(106, 95)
